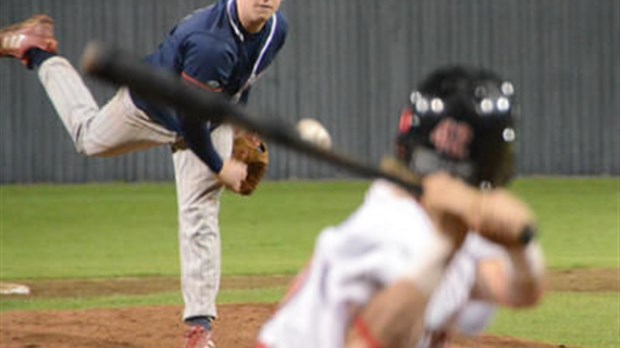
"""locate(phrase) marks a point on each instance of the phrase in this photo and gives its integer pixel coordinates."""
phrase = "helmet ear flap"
(404, 142)
(406, 120)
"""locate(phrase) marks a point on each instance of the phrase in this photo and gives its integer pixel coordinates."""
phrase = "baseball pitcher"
(222, 48)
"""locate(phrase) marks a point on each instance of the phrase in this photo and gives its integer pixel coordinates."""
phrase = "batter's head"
(461, 121)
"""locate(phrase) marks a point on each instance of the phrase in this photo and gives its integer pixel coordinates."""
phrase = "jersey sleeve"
(207, 64)
(283, 30)
(197, 135)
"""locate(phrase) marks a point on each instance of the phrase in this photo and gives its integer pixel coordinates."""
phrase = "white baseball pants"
(120, 127)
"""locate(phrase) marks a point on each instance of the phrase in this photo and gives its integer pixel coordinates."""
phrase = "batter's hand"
(504, 218)
(232, 174)
(497, 214)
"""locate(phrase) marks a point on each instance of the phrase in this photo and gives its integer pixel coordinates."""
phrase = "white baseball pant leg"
(117, 128)
(120, 127)
(198, 194)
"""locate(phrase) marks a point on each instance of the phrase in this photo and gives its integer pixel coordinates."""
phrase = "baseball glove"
(252, 151)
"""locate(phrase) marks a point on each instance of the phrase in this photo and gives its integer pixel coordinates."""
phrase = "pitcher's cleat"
(199, 337)
(36, 32)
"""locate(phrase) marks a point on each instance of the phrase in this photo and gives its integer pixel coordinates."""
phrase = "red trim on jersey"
(261, 345)
(195, 82)
(364, 332)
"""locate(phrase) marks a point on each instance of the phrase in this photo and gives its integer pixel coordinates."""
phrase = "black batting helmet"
(460, 120)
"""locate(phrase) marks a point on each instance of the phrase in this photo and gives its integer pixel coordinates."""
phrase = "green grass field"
(129, 230)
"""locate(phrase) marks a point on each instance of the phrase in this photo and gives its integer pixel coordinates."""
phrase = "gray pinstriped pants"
(118, 128)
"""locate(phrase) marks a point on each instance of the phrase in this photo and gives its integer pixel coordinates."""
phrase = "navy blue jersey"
(211, 50)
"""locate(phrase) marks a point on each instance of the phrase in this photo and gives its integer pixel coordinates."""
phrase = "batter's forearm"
(527, 275)
(393, 319)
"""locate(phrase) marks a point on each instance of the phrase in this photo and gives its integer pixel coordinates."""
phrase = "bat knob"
(528, 233)
(91, 58)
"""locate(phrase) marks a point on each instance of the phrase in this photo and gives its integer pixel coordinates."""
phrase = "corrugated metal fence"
(350, 64)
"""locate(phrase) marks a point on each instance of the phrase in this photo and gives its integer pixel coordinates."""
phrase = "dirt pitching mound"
(155, 327)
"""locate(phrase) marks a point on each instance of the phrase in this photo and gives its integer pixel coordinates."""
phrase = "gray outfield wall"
(350, 64)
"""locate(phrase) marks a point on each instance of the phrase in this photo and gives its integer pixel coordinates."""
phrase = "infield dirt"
(155, 327)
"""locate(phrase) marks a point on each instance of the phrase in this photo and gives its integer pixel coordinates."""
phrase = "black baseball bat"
(164, 88)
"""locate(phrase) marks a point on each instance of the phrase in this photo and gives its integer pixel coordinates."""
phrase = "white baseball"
(313, 131)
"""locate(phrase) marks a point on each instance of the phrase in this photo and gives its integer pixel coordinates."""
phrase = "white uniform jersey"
(451, 307)
(380, 243)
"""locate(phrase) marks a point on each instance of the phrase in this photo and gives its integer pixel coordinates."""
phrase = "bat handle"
(516, 238)
(94, 57)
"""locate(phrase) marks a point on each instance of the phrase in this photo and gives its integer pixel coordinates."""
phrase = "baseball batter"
(222, 48)
(403, 272)
(383, 241)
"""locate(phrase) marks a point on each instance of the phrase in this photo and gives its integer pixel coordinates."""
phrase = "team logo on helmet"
(452, 138)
